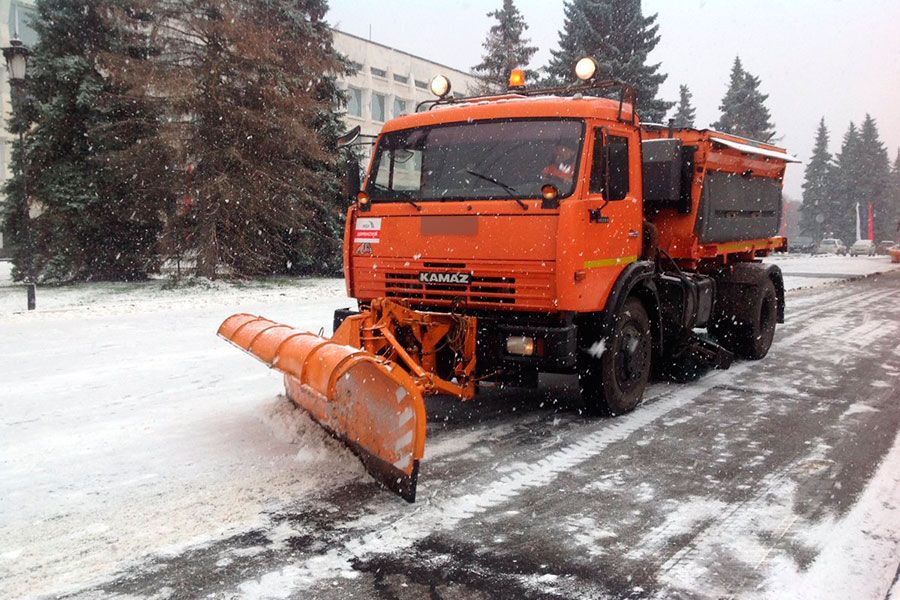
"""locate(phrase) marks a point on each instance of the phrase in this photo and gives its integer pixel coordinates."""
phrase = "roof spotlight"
(440, 86)
(586, 68)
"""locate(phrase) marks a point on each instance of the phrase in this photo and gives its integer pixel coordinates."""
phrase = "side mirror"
(348, 138)
(352, 181)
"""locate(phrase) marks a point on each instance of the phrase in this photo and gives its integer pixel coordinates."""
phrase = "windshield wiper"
(411, 201)
(399, 196)
(495, 181)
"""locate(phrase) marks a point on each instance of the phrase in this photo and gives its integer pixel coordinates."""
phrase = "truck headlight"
(520, 344)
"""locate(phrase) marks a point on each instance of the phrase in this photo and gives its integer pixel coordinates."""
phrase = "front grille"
(519, 284)
(482, 289)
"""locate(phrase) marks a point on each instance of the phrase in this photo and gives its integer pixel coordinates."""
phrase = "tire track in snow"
(744, 520)
(444, 514)
(738, 516)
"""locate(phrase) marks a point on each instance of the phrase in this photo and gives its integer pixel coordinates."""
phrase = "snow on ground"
(866, 539)
(128, 428)
(805, 270)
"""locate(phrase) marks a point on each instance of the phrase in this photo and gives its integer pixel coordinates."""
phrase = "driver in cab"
(561, 169)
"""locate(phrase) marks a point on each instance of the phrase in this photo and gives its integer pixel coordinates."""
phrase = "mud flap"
(367, 402)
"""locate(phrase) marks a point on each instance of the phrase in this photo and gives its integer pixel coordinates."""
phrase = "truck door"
(615, 185)
(614, 228)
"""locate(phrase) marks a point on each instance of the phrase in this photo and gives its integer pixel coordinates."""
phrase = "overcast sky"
(834, 58)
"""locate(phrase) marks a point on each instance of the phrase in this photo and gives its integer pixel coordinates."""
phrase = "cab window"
(617, 153)
(598, 166)
(609, 170)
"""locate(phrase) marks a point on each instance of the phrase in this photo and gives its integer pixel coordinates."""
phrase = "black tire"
(749, 329)
(612, 382)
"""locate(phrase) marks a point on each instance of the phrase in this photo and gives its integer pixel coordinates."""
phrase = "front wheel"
(613, 371)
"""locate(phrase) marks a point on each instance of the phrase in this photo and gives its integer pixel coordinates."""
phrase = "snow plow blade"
(365, 400)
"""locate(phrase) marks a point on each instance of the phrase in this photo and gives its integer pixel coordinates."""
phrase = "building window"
(399, 107)
(356, 66)
(421, 84)
(378, 72)
(377, 107)
(354, 102)
(401, 78)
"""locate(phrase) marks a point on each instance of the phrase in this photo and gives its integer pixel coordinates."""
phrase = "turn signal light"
(516, 79)
(549, 192)
(362, 198)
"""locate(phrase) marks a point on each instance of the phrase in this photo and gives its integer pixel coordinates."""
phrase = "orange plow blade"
(366, 401)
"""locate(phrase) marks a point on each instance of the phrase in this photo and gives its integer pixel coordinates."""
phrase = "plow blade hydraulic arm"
(367, 401)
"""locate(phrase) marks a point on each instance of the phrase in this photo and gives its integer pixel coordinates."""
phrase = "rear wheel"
(613, 371)
(748, 328)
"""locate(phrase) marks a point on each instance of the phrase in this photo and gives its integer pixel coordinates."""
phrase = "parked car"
(862, 247)
(883, 245)
(894, 251)
(831, 246)
(801, 243)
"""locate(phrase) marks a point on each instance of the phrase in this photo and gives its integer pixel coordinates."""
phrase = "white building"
(389, 82)
(15, 16)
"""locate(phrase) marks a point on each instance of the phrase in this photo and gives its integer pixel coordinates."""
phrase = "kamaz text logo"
(457, 278)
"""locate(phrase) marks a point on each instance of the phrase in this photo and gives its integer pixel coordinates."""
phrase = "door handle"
(596, 215)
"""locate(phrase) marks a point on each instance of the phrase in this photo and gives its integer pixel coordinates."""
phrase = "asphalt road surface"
(776, 478)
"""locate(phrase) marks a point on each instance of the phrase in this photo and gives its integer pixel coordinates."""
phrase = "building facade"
(389, 82)
(15, 19)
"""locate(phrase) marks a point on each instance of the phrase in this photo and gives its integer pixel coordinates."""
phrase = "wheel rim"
(631, 359)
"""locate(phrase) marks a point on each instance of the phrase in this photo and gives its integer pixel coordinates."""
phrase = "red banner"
(871, 223)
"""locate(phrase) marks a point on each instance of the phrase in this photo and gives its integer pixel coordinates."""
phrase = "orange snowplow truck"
(498, 237)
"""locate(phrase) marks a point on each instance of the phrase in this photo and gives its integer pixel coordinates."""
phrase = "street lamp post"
(16, 55)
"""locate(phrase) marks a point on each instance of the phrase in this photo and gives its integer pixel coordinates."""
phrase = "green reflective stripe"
(609, 262)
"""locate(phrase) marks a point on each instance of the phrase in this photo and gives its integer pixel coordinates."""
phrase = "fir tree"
(684, 112)
(744, 112)
(86, 228)
(840, 216)
(251, 92)
(816, 186)
(893, 221)
(506, 48)
(873, 183)
(733, 102)
(620, 38)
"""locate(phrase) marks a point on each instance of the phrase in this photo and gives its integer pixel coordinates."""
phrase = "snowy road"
(141, 456)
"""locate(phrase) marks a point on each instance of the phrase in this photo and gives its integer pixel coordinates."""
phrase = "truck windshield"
(509, 159)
